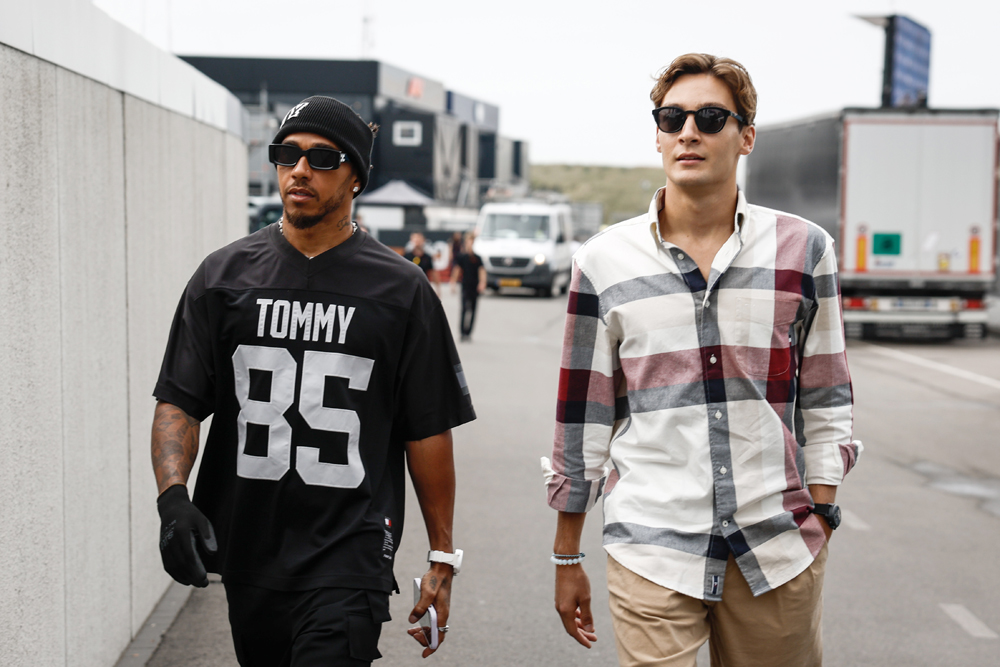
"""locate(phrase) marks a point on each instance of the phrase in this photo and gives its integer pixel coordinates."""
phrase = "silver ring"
(444, 629)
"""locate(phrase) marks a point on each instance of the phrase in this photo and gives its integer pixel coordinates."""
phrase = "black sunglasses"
(288, 155)
(709, 120)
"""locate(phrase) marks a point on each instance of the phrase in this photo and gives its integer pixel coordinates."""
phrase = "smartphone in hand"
(429, 621)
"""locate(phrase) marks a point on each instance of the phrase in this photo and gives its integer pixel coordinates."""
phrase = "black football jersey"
(316, 371)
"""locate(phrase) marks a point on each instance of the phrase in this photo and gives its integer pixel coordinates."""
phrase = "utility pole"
(265, 116)
(366, 34)
(170, 26)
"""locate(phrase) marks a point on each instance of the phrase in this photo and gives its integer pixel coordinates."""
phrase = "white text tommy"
(297, 320)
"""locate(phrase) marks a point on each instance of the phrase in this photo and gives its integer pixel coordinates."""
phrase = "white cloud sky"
(573, 78)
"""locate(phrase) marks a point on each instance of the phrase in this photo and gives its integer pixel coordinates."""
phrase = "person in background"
(457, 247)
(470, 268)
(705, 393)
(418, 255)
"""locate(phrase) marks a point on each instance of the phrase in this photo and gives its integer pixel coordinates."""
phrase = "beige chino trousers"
(656, 626)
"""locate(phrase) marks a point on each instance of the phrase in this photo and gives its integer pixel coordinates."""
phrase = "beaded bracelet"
(567, 559)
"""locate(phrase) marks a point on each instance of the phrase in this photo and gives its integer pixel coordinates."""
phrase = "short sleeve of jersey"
(433, 393)
(187, 377)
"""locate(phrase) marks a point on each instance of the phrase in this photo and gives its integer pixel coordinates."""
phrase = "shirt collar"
(656, 205)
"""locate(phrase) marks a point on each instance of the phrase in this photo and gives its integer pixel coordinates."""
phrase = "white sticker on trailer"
(931, 181)
(915, 304)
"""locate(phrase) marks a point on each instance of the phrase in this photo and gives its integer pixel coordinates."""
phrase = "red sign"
(415, 87)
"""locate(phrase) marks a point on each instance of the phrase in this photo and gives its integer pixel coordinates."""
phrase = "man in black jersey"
(313, 346)
(469, 266)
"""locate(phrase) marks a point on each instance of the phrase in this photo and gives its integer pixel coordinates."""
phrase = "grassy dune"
(624, 191)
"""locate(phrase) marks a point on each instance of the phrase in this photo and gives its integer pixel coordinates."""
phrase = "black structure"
(442, 143)
(907, 65)
(905, 78)
(798, 169)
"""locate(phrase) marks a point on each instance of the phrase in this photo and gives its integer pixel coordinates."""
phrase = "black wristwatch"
(830, 512)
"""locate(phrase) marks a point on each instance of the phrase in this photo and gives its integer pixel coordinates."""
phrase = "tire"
(544, 292)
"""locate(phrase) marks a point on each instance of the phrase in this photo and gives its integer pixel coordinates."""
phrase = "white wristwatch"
(455, 559)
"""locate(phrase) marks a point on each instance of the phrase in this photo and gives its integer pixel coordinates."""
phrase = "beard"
(303, 221)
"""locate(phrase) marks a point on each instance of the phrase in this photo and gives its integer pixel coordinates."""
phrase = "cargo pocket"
(763, 327)
(378, 602)
(364, 634)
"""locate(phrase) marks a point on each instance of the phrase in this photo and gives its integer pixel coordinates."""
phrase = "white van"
(526, 244)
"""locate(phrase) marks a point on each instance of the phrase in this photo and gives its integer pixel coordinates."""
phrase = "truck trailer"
(910, 197)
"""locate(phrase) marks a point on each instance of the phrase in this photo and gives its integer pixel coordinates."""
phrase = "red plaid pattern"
(702, 410)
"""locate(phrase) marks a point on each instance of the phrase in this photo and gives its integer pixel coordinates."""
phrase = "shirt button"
(718, 414)
(725, 524)
(722, 470)
(712, 359)
(680, 255)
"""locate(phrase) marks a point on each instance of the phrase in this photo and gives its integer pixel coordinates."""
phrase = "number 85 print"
(316, 367)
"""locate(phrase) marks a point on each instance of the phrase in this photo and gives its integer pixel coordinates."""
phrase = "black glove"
(180, 522)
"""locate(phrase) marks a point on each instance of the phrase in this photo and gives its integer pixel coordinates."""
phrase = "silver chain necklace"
(281, 226)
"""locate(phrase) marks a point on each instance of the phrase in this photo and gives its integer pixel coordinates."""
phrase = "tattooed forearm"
(174, 445)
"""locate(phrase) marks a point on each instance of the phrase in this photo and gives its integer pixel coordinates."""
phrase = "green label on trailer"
(886, 244)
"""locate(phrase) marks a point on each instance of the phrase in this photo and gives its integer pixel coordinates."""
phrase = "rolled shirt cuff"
(829, 463)
(571, 495)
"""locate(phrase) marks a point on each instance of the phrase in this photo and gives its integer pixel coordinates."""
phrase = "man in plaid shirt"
(704, 392)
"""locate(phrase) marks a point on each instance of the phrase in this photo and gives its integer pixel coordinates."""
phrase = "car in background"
(264, 211)
(526, 244)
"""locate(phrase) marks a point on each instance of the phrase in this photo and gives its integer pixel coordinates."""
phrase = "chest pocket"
(763, 333)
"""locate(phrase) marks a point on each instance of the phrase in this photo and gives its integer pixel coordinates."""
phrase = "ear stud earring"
(355, 188)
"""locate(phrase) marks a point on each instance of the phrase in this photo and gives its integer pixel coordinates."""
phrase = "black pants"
(468, 311)
(324, 626)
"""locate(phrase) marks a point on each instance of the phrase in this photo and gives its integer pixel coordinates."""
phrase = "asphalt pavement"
(913, 576)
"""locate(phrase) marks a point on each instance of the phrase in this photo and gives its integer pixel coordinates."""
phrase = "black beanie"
(337, 122)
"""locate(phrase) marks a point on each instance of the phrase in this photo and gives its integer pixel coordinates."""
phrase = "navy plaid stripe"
(714, 399)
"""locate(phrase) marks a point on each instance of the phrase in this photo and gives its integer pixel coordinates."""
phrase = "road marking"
(935, 365)
(852, 520)
(968, 621)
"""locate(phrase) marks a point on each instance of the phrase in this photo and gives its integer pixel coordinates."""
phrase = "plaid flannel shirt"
(716, 402)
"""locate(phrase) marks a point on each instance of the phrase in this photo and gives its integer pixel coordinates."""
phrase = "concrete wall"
(108, 202)
(174, 206)
(32, 544)
(94, 390)
(78, 36)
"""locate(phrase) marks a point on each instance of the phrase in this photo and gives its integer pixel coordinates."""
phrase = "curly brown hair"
(730, 72)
